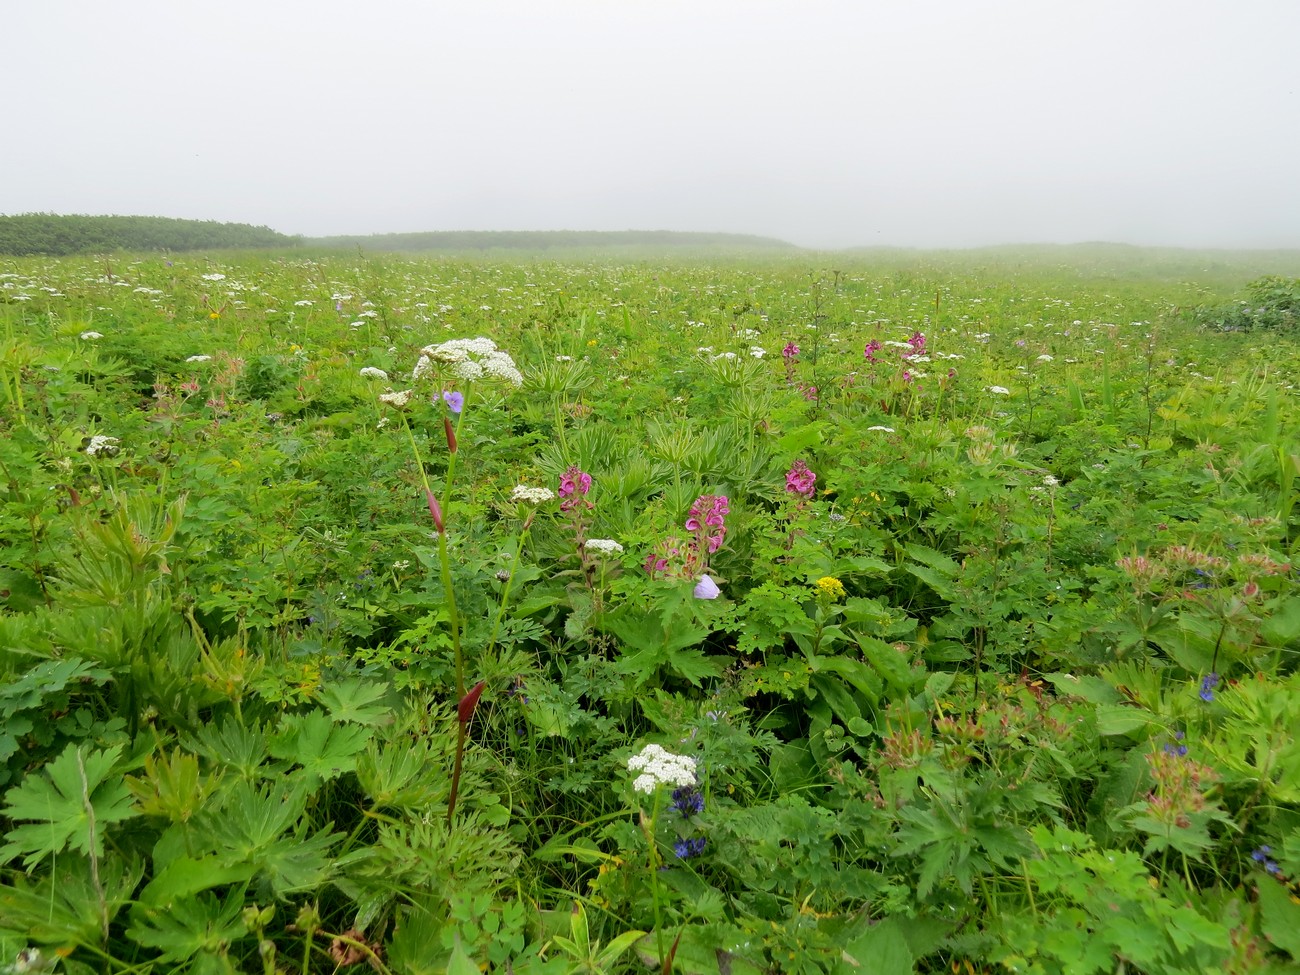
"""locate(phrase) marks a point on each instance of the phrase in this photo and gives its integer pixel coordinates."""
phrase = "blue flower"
(688, 801)
(1261, 856)
(455, 401)
(1208, 683)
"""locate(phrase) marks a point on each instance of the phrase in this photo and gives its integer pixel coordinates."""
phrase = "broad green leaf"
(880, 950)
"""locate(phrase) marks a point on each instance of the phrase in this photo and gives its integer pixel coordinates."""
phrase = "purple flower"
(1208, 683)
(687, 848)
(706, 588)
(869, 353)
(790, 351)
(455, 401)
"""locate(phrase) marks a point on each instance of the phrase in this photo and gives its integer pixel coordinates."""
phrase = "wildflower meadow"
(877, 613)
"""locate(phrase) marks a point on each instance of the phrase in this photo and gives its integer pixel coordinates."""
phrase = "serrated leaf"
(69, 803)
(323, 748)
(355, 699)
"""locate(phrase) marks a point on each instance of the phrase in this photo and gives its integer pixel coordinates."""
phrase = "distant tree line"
(59, 234)
(535, 240)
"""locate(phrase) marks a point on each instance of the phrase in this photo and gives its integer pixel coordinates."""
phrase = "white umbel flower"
(605, 546)
(659, 767)
(398, 399)
(100, 444)
(373, 372)
(532, 495)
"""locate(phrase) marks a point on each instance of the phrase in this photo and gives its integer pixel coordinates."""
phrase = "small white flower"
(214, 277)
(198, 358)
(882, 429)
(398, 399)
(1051, 481)
(304, 303)
(100, 444)
(91, 336)
(605, 546)
(401, 565)
(1000, 390)
(659, 767)
(371, 372)
(532, 495)
(1044, 358)
(757, 351)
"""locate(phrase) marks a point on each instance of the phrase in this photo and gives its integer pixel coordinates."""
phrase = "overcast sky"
(825, 122)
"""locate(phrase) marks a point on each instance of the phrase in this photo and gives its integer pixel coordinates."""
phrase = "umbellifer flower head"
(659, 767)
(532, 495)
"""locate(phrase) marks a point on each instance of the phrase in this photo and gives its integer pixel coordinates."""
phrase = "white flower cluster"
(100, 444)
(199, 358)
(91, 336)
(373, 372)
(999, 390)
(659, 767)
(605, 546)
(398, 399)
(470, 360)
(532, 495)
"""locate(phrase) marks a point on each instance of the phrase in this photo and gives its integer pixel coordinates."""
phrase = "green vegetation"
(549, 240)
(60, 235)
(916, 613)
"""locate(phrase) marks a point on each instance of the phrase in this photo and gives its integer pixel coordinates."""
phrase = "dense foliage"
(1272, 303)
(559, 616)
(64, 234)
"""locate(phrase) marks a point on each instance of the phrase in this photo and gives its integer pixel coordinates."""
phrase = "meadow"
(882, 612)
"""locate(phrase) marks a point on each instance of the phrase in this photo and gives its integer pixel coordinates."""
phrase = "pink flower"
(790, 351)
(869, 353)
(574, 481)
(800, 480)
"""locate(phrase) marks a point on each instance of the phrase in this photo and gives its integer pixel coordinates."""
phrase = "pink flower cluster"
(869, 353)
(790, 351)
(686, 560)
(574, 484)
(799, 480)
(707, 520)
(917, 342)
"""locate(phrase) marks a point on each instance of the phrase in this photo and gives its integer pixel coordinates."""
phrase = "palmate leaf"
(191, 925)
(355, 699)
(69, 803)
(323, 748)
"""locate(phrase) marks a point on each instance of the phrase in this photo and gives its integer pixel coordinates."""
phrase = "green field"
(726, 612)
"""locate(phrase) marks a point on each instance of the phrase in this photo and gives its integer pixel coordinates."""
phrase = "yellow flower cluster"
(830, 587)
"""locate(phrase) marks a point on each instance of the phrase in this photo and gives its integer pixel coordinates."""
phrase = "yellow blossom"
(830, 587)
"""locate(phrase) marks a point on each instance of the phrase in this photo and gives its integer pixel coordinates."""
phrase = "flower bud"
(435, 511)
(451, 434)
(465, 710)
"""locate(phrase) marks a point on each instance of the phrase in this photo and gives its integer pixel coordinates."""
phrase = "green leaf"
(190, 926)
(70, 802)
(1116, 719)
(185, 877)
(881, 950)
(322, 747)
(1279, 916)
(888, 663)
(353, 699)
